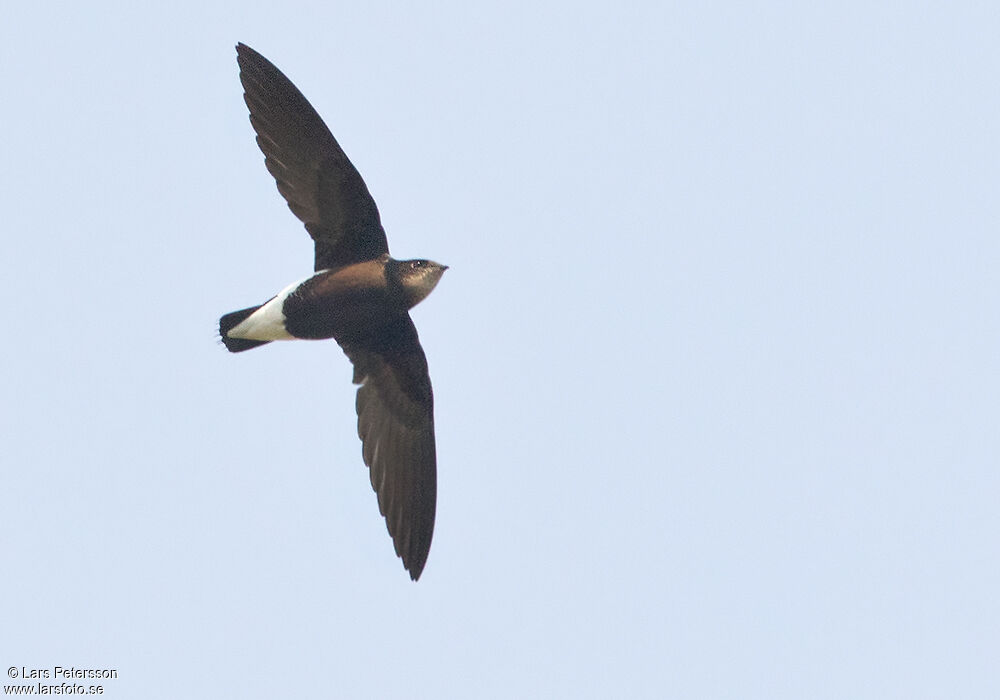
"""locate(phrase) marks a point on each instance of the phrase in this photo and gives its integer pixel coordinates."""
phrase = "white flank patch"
(267, 322)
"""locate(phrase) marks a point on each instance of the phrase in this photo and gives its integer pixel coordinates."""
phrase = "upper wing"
(396, 424)
(321, 185)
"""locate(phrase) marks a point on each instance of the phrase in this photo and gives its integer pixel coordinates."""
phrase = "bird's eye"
(416, 263)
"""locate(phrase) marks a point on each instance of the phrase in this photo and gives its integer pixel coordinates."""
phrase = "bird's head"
(417, 278)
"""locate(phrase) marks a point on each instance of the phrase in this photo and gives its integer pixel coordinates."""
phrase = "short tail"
(229, 321)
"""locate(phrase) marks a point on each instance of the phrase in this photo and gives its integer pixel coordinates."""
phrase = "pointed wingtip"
(415, 571)
(244, 53)
(414, 561)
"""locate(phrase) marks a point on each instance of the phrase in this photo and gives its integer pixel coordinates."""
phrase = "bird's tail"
(228, 322)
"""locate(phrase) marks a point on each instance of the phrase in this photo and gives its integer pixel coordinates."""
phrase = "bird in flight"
(357, 295)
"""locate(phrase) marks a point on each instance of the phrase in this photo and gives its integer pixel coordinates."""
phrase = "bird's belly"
(345, 304)
(353, 315)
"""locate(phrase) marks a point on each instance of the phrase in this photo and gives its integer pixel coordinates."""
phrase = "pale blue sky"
(715, 364)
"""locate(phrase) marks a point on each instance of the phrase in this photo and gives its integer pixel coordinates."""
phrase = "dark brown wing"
(396, 424)
(320, 184)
